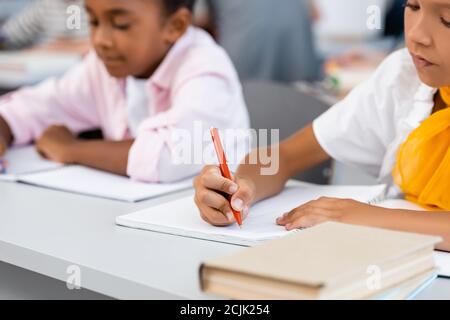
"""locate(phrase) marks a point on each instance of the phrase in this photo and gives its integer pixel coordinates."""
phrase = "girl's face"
(132, 37)
(427, 31)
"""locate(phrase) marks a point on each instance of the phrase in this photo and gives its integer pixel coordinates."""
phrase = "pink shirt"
(195, 82)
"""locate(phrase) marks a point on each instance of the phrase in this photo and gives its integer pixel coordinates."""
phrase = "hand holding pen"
(219, 198)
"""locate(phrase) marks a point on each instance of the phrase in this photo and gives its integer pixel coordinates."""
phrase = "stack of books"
(330, 261)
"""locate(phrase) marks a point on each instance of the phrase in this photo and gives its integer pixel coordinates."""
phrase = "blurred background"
(295, 58)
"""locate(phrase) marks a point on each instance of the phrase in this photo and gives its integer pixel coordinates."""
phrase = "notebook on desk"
(25, 165)
(91, 182)
(24, 160)
(181, 217)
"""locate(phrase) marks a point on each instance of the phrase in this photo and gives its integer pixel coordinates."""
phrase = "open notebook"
(27, 166)
(86, 181)
(181, 217)
(25, 160)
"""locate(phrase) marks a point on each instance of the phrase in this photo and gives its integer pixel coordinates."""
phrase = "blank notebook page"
(24, 160)
(181, 217)
(82, 180)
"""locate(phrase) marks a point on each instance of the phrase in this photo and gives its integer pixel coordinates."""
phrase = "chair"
(278, 106)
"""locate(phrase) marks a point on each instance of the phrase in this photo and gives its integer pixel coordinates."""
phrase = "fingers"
(307, 221)
(309, 214)
(49, 145)
(46, 150)
(303, 218)
(214, 208)
(245, 212)
(309, 207)
(39, 145)
(212, 215)
(244, 196)
(215, 218)
(221, 213)
(41, 153)
(211, 190)
(215, 201)
(211, 178)
(297, 213)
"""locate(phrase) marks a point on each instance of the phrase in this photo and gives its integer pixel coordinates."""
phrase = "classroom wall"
(9, 7)
(347, 18)
(343, 24)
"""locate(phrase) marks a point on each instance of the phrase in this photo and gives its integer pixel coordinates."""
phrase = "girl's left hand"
(57, 144)
(330, 209)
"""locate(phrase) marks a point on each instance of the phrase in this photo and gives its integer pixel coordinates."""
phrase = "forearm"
(294, 155)
(103, 155)
(423, 222)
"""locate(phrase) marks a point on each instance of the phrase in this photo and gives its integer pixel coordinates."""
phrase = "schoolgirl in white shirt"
(396, 126)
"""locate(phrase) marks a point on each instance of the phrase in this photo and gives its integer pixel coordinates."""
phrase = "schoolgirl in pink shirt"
(151, 73)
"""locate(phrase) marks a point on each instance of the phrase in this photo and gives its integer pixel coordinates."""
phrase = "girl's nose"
(102, 38)
(418, 32)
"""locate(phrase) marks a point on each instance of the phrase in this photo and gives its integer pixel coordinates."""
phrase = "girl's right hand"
(211, 189)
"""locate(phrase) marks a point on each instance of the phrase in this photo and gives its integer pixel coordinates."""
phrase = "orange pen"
(224, 168)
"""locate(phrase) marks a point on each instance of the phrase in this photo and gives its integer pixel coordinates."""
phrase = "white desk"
(47, 231)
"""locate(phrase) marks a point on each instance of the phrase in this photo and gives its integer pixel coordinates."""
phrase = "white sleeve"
(358, 130)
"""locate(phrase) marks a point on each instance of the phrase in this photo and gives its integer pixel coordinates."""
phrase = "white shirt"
(367, 128)
(138, 103)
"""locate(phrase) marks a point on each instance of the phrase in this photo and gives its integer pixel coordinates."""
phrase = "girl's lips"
(111, 60)
(421, 62)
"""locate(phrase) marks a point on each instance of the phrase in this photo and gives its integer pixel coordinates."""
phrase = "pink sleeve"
(211, 101)
(66, 101)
